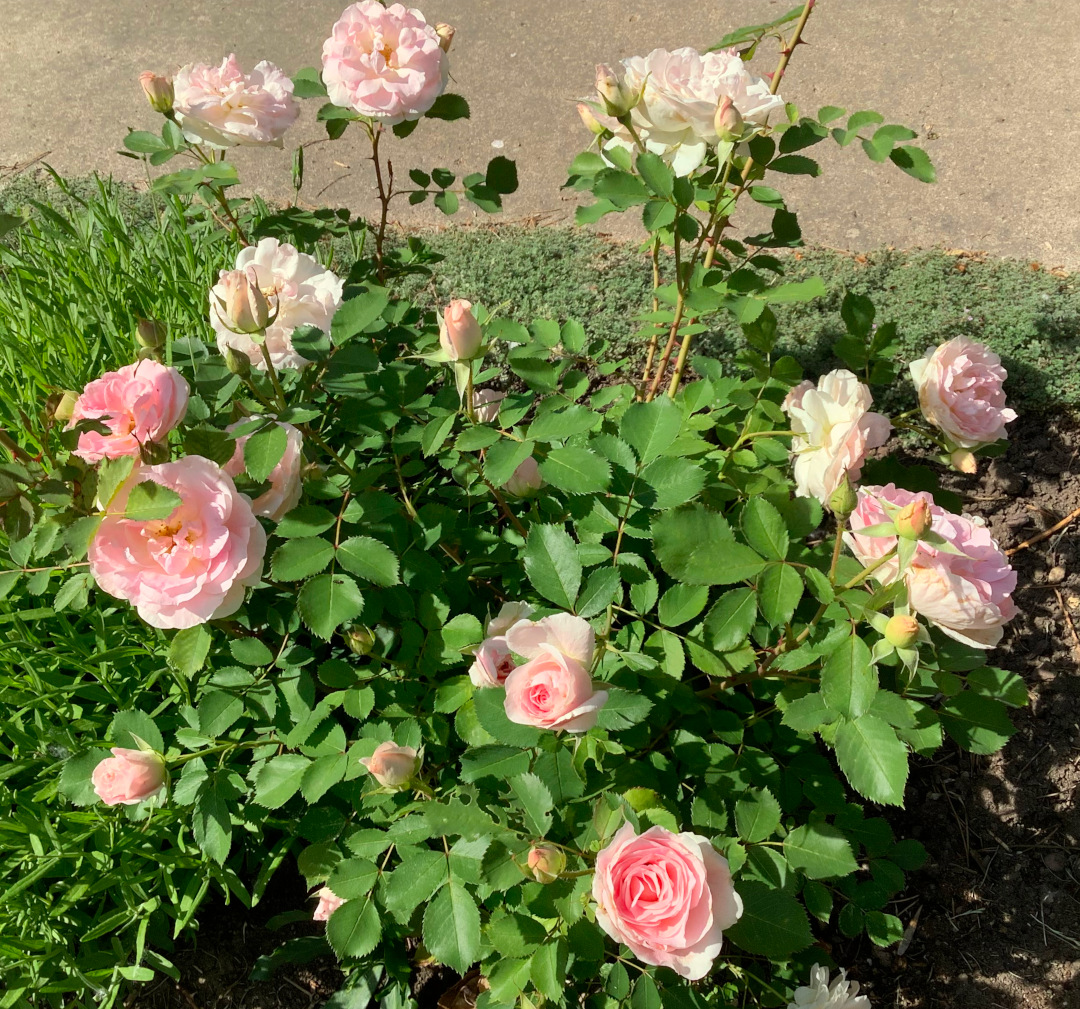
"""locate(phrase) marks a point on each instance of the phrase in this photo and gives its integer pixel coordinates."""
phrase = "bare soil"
(996, 910)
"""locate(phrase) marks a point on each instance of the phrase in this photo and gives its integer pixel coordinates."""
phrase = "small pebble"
(1056, 575)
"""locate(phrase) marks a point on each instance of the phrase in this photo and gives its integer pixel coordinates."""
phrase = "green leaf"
(623, 709)
(695, 546)
(552, 564)
(808, 713)
(150, 502)
(764, 529)
(557, 771)
(353, 878)
(327, 771)
(188, 650)
(217, 712)
(143, 142)
(779, 590)
(212, 825)
(848, 679)
(682, 603)
(370, 559)
(491, 714)
(757, 815)
(820, 850)
(818, 900)
(263, 451)
(773, 923)
(501, 176)
(978, 723)
(278, 780)
(672, 481)
(657, 175)
(915, 162)
(357, 313)
(729, 621)
(307, 83)
(602, 587)
(307, 520)
(75, 780)
(327, 601)
(503, 458)
(449, 107)
(297, 559)
(576, 471)
(414, 881)
(127, 725)
(999, 684)
(452, 927)
(884, 929)
(498, 762)
(548, 969)
(795, 164)
(651, 428)
(536, 802)
(874, 761)
(355, 928)
(619, 188)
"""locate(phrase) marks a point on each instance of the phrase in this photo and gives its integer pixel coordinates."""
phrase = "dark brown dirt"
(997, 908)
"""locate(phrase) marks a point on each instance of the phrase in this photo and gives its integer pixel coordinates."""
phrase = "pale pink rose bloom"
(194, 565)
(391, 765)
(683, 88)
(300, 290)
(669, 897)
(139, 404)
(459, 333)
(329, 902)
(128, 777)
(819, 994)
(960, 391)
(573, 636)
(224, 107)
(969, 597)
(553, 691)
(834, 429)
(386, 63)
(486, 404)
(508, 615)
(492, 665)
(525, 480)
(285, 488)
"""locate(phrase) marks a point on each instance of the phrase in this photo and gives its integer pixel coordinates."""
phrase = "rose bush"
(526, 662)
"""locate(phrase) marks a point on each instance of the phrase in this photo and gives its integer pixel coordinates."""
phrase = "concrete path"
(993, 89)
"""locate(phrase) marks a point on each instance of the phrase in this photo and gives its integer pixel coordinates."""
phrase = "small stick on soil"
(1046, 534)
(1072, 627)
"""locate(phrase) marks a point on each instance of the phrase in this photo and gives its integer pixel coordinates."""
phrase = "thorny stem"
(12, 446)
(219, 195)
(272, 372)
(385, 195)
(656, 307)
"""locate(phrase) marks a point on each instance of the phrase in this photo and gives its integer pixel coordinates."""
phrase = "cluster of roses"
(957, 577)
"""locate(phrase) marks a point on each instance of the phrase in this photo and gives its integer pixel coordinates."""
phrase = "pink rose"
(285, 488)
(300, 290)
(139, 404)
(239, 304)
(960, 391)
(834, 429)
(486, 405)
(128, 777)
(969, 596)
(392, 766)
(525, 481)
(573, 636)
(553, 691)
(158, 91)
(329, 902)
(508, 615)
(459, 332)
(492, 665)
(224, 107)
(386, 63)
(669, 897)
(194, 565)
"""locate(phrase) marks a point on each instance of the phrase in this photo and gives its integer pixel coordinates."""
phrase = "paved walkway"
(993, 89)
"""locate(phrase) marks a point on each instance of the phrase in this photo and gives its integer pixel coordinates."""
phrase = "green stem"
(272, 371)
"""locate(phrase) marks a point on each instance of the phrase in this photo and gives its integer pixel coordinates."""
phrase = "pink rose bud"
(128, 777)
(486, 405)
(614, 96)
(592, 124)
(392, 766)
(902, 631)
(525, 480)
(492, 665)
(329, 902)
(159, 91)
(964, 461)
(913, 519)
(446, 35)
(546, 863)
(459, 332)
(242, 306)
(727, 122)
(667, 896)
(150, 334)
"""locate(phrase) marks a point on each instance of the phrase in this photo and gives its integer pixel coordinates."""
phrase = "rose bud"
(525, 480)
(243, 307)
(913, 519)
(150, 334)
(546, 863)
(360, 640)
(843, 500)
(614, 96)
(446, 35)
(392, 766)
(902, 631)
(128, 776)
(459, 332)
(329, 902)
(727, 122)
(159, 91)
(592, 124)
(238, 364)
(65, 405)
(964, 461)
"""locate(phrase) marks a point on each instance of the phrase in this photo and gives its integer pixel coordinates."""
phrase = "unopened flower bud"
(902, 631)
(727, 122)
(159, 91)
(614, 95)
(65, 406)
(446, 35)
(592, 124)
(150, 334)
(546, 863)
(360, 639)
(843, 500)
(525, 481)
(237, 363)
(243, 308)
(392, 766)
(964, 461)
(913, 520)
(459, 332)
